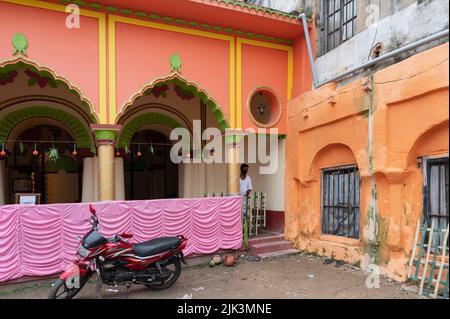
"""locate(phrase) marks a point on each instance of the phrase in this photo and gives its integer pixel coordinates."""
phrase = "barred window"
(436, 192)
(338, 19)
(341, 201)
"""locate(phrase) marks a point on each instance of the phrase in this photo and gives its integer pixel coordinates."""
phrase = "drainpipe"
(310, 51)
(373, 62)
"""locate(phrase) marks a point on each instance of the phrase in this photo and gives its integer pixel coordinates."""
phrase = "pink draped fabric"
(42, 240)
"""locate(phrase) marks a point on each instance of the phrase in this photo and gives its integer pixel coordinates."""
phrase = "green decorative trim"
(175, 63)
(221, 120)
(105, 135)
(148, 118)
(195, 24)
(81, 134)
(20, 43)
(52, 82)
(235, 3)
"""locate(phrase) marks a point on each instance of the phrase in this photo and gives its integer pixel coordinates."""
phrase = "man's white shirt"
(246, 184)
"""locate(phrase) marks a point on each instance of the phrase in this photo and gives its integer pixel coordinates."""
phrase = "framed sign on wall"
(28, 199)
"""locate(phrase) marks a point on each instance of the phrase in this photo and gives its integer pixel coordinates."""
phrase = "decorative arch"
(332, 155)
(141, 120)
(194, 88)
(52, 79)
(82, 136)
(434, 141)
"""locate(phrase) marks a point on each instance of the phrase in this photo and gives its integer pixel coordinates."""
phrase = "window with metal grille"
(436, 192)
(338, 23)
(340, 201)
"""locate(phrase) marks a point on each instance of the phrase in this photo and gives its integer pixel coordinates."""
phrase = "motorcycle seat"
(155, 246)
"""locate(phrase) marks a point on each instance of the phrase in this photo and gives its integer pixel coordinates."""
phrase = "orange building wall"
(329, 127)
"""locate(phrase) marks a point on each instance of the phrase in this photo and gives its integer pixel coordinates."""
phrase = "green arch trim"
(147, 118)
(81, 135)
(221, 120)
(54, 81)
(183, 84)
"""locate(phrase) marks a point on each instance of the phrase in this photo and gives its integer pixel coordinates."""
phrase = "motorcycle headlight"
(83, 252)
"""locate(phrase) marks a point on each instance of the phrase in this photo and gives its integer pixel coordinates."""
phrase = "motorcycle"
(155, 263)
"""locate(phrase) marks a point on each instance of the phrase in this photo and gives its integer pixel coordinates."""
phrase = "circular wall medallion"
(264, 107)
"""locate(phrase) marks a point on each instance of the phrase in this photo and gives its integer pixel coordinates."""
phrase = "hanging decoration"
(53, 155)
(3, 153)
(151, 149)
(93, 150)
(139, 153)
(75, 153)
(21, 148)
(35, 152)
(117, 152)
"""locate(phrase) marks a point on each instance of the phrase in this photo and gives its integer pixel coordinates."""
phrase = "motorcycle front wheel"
(173, 268)
(60, 290)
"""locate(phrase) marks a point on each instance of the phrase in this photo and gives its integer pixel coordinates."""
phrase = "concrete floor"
(294, 277)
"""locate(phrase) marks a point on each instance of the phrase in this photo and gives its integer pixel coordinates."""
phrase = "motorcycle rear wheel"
(175, 274)
(60, 290)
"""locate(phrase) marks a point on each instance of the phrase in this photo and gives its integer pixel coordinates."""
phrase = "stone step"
(279, 253)
(266, 239)
(271, 246)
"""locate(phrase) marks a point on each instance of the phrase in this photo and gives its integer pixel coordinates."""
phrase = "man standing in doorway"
(245, 181)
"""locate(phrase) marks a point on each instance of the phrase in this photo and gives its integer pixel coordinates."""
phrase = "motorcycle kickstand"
(98, 287)
(128, 286)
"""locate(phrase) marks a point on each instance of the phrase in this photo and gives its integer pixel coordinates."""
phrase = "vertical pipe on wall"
(310, 51)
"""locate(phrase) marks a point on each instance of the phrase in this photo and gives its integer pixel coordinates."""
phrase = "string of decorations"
(53, 153)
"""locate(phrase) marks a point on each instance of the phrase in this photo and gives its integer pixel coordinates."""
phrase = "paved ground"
(297, 276)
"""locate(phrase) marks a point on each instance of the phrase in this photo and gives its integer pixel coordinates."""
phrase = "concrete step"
(279, 253)
(260, 240)
(272, 246)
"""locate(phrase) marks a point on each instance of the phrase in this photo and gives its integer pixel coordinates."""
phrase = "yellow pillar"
(106, 168)
(106, 139)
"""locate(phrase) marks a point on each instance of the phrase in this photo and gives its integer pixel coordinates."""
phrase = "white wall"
(272, 184)
(90, 180)
(415, 22)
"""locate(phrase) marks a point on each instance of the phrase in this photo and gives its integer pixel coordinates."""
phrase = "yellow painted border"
(113, 19)
(102, 42)
(290, 71)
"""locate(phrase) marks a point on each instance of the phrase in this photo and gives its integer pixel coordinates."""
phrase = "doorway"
(149, 172)
(42, 161)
